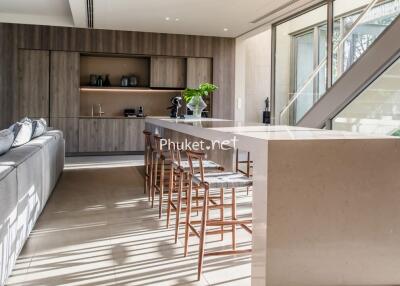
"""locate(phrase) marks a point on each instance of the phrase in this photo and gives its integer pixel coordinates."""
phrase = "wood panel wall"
(199, 70)
(8, 74)
(15, 36)
(168, 72)
(64, 84)
(33, 87)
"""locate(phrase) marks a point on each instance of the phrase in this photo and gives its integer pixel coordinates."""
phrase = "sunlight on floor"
(98, 229)
(97, 162)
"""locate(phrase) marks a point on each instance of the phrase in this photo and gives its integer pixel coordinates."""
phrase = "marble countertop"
(254, 130)
(109, 117)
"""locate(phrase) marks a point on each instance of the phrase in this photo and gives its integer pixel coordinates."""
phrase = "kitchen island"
(325, 203)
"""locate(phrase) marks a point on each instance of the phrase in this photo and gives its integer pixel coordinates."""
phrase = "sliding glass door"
(304, 59)
(300, 48)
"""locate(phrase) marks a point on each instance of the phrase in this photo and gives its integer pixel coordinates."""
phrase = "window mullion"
(329, 37)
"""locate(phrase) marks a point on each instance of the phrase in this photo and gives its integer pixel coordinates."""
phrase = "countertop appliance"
(140, 112)
(130, 112)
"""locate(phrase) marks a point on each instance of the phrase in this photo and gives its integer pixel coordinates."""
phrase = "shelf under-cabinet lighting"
(127, 89)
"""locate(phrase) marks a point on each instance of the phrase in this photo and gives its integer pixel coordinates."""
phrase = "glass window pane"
(322, 50)
(298, 52)
(365, 33)
(377, 109)
(304, 47)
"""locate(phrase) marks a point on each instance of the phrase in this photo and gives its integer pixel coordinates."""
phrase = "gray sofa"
(28, 175)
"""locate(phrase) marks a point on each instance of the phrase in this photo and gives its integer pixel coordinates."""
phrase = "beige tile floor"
(98, 229)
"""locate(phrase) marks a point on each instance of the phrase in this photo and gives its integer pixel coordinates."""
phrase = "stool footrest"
(215, 232)
(228, 222)
(228, 252)
(192, 228)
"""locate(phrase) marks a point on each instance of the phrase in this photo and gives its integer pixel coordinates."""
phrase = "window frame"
(331, 18)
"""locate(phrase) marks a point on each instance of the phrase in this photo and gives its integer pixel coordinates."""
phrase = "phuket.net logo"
(198, 145)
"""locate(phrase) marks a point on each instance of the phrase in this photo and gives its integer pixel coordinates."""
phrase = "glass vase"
(196, 105)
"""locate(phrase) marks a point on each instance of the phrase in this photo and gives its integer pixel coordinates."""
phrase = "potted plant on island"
(194, 97)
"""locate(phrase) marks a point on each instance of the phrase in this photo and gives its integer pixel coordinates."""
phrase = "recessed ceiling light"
(226, 29)
(177, 19)
(167, 18)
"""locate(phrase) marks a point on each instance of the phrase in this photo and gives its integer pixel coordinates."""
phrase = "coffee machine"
(176, 104)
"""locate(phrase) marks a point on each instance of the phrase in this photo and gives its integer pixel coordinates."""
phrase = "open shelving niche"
(115, 98)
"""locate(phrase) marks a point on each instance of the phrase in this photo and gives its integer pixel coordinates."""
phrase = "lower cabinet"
(69, 127)
(111, 135)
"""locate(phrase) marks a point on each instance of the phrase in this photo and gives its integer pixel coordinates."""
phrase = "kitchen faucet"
(100, 111)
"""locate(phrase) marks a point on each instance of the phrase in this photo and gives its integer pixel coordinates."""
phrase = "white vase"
(196, 105)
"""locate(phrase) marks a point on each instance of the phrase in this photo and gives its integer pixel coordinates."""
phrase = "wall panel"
(8, 74)
(14, 36)
(33, 83)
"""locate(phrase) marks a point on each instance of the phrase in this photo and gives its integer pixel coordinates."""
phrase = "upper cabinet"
(168, 72)
(199, 70)
(64, 84)
(33, 83)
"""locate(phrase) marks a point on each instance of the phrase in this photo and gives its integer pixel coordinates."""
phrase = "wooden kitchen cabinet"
(111, 135)
(168, 72)
(64, 84)
(199, 70)
(33, 83)
(69, 127)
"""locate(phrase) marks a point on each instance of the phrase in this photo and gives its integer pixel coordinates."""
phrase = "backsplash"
(114, 103)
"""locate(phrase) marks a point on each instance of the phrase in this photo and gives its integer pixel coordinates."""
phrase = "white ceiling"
(41, 12)
(197, 17)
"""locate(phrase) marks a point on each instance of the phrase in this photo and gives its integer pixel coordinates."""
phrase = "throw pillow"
(22, 132)
(39, 127)
(6, 140)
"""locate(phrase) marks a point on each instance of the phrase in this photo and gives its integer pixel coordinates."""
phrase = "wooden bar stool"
(207, 181)
(179, 184)
(161, 170)
(249, 166)
(148, 162)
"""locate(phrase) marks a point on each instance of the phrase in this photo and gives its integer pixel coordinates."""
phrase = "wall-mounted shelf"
(127, 89)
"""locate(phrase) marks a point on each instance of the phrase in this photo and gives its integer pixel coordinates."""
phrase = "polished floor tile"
(98, 229)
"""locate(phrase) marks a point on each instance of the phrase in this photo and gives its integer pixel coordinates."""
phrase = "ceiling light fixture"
(176, 19)
(226, 29)
(167, 18)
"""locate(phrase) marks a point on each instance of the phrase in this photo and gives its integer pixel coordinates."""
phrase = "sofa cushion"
(39, 127)
(49, 152)
(6, 140)
(22, 132)
(55, 133)
(4, 171)
(41, 141)
(8, 191)
(17, 156)
(30, 195)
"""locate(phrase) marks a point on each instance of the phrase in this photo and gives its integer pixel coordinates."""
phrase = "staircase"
(376, 57)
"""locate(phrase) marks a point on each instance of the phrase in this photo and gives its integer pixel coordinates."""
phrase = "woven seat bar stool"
(149, 153)
(161, 171)
(179, 184)
(248, 172)
(207, 181)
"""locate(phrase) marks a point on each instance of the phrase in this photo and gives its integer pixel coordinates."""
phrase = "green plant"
(203, 90)
(396, 133)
